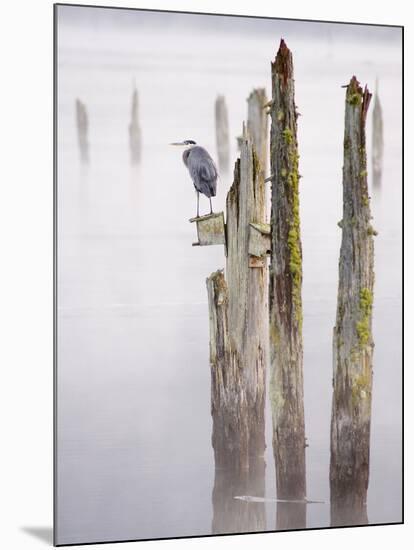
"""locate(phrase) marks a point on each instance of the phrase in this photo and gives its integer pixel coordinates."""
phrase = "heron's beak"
(177, 143)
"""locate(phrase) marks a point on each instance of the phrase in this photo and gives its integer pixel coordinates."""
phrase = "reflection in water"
(232, 515)
(349, 505)
(134, 130)
(290, 515)
(82, 122)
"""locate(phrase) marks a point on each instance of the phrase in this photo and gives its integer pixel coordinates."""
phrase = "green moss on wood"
(354, 99)
(288, 136)
(295, 253)
(360, 388)
(363, 325)
(274, 334)
(256, 164)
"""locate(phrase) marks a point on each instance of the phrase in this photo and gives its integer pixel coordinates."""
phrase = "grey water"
(134, 456)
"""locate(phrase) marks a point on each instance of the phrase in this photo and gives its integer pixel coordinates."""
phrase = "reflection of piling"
(238, 319)
(222, 134)
(82, 124)
(352, 337)
(377, 141)
(257, 124)
(134, 130)
(290, 515)
(285, 287)
(233, 515)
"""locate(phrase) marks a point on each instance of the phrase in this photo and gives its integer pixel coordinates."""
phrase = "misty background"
(134, 449)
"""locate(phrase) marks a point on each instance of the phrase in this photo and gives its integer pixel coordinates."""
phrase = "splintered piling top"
(355, 95)
(283, 64)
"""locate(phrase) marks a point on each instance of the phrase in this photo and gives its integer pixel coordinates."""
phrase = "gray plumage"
(202, 170)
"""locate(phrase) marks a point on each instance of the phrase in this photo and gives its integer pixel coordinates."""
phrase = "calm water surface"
(134, 426)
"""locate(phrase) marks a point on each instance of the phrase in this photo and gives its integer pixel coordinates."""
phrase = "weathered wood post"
(377, 140)
(238, 324)
(352, 336)
(257, 124)
(82, 124)
(134, 130)
(222, 134)
(285, 287)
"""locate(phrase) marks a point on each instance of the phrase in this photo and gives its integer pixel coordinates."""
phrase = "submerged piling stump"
(285, 287)
(352, 334)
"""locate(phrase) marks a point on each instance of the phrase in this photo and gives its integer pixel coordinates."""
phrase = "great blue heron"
(202, 170)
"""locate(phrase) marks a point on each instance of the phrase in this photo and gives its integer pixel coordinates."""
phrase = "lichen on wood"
(352, 335)
(285, 286)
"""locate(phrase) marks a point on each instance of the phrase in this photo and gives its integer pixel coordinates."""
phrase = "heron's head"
(188, 143)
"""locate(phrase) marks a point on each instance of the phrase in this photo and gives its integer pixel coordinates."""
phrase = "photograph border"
(55, 266)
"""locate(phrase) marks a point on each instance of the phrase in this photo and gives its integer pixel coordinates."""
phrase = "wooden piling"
(134, 130)
(257, 124)
(352, 334)
(377, 141)
(285, 287)
(82, 124)
(238, 325)
(222, 134)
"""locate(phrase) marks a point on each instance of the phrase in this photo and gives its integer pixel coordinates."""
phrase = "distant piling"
(352, 334)
(134, 130)
(377, 141)
(82, 123)
(257, 124)
(238, 324)
(222, 134)
(285, 287)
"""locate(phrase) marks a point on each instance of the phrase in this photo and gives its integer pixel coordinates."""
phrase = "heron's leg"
(211, 208)
(198, 204)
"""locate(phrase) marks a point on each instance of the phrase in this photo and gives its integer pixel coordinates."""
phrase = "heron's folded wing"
(208, 173)
(203, 171)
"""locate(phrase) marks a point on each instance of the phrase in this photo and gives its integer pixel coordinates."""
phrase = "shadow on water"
(44, 534)
(235, 515)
